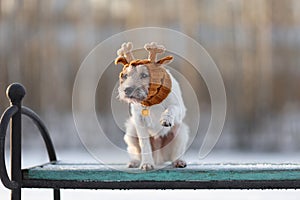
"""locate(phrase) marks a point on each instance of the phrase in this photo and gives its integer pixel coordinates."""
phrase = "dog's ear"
(139, 62)
(121, 60)
(165, 60)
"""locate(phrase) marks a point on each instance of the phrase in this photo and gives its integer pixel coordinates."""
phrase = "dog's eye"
(124, 76)
(143, 75)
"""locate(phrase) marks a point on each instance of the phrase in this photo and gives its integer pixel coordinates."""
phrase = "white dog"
(155, 132)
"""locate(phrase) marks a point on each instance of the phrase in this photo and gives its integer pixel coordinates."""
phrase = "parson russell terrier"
(155, 132)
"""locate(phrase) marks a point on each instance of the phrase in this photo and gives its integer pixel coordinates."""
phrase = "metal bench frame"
(13, 114)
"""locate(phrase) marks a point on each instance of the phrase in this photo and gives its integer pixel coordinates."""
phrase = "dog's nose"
(128, 90)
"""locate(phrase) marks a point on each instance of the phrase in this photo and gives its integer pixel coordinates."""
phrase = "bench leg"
(16, 94)
(16, 194)
(56, 194)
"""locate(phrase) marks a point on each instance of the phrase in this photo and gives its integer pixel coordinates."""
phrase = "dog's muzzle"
(139, 93)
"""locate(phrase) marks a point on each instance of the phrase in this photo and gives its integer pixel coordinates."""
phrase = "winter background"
(255, 45)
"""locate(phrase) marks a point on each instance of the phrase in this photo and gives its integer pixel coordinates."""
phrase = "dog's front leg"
(146, 151)
(168, 116)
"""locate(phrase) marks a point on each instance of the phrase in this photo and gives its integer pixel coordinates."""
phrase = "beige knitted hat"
(160, 81)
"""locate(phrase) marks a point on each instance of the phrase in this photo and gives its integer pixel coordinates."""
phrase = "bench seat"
(195, 176)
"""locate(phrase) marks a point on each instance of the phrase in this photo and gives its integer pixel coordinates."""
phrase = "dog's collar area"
(145, 112)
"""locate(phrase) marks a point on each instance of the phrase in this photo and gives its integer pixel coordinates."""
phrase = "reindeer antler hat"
(160, 81)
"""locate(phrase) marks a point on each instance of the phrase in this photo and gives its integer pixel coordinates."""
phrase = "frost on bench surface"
(193, 172)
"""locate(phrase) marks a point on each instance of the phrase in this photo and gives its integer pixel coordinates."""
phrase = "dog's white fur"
(165, 122)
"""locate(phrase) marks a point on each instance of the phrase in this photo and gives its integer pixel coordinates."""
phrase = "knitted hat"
(160, 81)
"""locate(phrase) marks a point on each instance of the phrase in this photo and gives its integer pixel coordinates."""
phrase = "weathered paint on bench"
(194, 172)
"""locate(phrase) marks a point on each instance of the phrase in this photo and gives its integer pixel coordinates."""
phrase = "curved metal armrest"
(5, 118)
(43, 130)
(4, 122)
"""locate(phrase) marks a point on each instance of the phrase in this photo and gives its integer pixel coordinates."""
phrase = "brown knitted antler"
(125, 54)
(154, 49)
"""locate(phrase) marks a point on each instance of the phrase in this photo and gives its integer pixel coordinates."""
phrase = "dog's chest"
(149, 117)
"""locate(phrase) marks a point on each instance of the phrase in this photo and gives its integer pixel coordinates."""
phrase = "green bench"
(59, 175)
(195, 176)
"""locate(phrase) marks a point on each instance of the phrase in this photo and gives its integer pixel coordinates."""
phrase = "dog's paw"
(167, 120)
(179, 164)
(147, 167)
(133, 164)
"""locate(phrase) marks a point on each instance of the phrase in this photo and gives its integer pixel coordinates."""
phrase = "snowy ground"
(33, 157)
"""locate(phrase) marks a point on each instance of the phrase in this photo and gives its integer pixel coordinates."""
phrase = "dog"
(155, 131)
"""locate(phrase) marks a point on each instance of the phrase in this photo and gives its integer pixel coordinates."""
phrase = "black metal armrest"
(15, 93)
(5, 118)
(43, 130)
